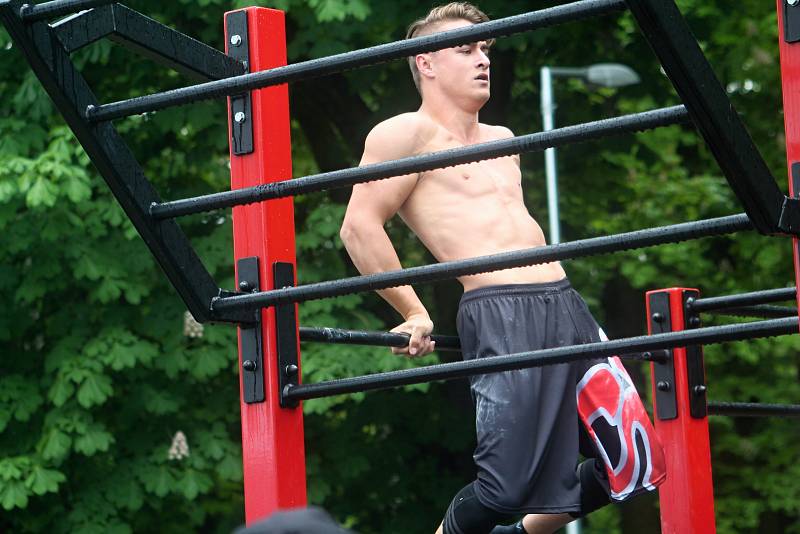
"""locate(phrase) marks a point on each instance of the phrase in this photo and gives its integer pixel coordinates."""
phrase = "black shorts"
(527, 420)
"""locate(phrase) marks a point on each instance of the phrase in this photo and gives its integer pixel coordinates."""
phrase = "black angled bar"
(743, 299)
(355, 59)
(56, 8)
(148, 37)
(116, 163)
(376, 339)
(753, 409)
(712, 111)
(623, 347)
(495, 262)
(455, 156)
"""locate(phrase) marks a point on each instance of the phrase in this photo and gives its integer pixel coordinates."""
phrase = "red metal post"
(272, 437)
(687, 496)
(789, 19)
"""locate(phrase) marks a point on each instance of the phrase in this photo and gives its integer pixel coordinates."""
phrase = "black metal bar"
(116, 163)
(764, 311)
(358, 58)
(288, 359)
(753, 409)
(56, 8)
(149, 38)
(695, 369)
(711, 109)
(376, 339)
(449, 371)
(445, 158)
(495, 262)
(743, 299)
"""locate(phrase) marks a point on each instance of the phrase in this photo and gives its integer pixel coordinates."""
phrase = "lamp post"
(601, 74)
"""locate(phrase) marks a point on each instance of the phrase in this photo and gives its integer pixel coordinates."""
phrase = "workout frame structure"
(253, 74)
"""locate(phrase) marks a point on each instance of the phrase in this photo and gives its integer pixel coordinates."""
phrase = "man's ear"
(424, 65)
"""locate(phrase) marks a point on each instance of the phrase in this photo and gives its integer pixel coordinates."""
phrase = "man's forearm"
(372, 252)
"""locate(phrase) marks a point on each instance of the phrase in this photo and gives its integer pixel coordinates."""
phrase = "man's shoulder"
(493, 132)
(401, 135)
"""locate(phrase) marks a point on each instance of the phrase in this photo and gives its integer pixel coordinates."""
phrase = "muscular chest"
(497, 178)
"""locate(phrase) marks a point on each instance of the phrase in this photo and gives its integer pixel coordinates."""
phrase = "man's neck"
(461, 123)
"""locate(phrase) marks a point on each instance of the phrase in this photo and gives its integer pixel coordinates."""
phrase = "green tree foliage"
(116, 418)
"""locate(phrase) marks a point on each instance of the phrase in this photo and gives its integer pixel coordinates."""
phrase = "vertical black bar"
(791, 22)
(238, 47)
(112, 157)
(286, 336)
(713, 114)
(695, 369)
(663, 371)
(252, 348)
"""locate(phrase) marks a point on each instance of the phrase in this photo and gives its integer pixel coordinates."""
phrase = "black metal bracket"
(286, 336)
(791, 21)
(250, 342)
(663, 371)
(238, 47)
(149, 38)
(695, 370)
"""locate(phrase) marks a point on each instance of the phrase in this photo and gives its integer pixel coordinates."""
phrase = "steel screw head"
(239, 117)
(793, 2)
(658, 318)
(663, 385)
(694, 321)
(249, 365)
(236, 40)
(700, 389)
(244, 285)
(291, 369)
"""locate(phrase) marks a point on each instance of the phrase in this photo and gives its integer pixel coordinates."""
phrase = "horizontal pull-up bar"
(56, 8)
(455, 156)
(359, 58)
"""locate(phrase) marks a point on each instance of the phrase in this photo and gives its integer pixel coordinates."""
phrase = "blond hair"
(427, 25)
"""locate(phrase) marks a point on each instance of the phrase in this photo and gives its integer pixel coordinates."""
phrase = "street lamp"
(601, 74)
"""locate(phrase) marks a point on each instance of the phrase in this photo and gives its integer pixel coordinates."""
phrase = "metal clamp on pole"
(250, 335)
(791, 21)
(286, 336)
(237, 46)
(664, 370)
(695, 369)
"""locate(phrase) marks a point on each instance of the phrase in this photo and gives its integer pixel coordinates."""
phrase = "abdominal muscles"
(476, 210)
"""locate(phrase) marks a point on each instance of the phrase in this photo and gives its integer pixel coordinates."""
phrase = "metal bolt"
(291, 369)
(690, 301)
(249, 365)
(700, 389)
(694, 321)
(647, 355)
(239, 117)
(236, 40)
(793, 2)
(663, 385)
(244, 285)
(658, 318)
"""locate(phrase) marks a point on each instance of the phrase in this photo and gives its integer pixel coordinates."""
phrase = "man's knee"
(594, 487)
(467, 515)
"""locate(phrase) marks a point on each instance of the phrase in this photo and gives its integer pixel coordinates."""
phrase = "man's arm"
(363, 234)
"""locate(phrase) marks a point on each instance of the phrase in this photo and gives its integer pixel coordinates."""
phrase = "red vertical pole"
(687, 495)
(789, 44)
(272, 437)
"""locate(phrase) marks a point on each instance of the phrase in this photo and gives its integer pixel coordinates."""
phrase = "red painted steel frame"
(790, 77)
(272, 437)
(687, 496)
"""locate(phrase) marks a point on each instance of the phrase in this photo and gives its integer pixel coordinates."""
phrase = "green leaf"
(42, 193)
(61, 390)
(94, 390)
(42, 480)
(13, 495)
(95, 439)
(158, 480)
(56, 445)
(192, 483)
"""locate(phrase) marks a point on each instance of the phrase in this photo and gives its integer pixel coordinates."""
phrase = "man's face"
(461, 72)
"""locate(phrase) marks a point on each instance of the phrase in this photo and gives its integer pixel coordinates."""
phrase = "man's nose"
(483, 60)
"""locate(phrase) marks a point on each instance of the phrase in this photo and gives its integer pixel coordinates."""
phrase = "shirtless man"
(527, 420)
